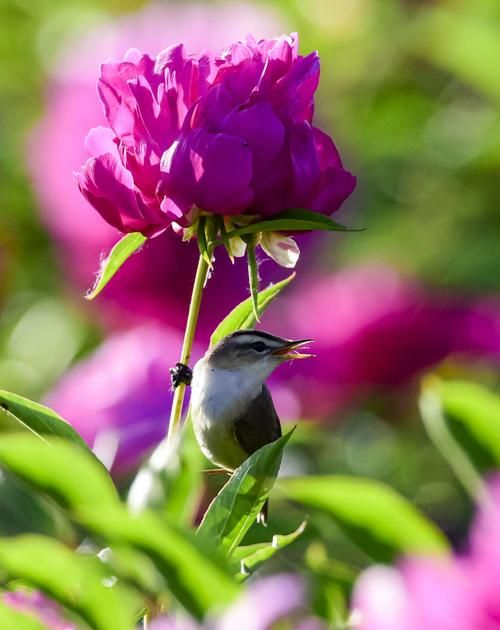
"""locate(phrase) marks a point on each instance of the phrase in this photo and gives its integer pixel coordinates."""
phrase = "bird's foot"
(180, 373)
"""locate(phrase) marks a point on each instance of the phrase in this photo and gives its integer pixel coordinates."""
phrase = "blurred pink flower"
(265, 602)
(119, 398)
(372, 329)
(455, 593)
(39, 606)
(155, 283)
(228, 133)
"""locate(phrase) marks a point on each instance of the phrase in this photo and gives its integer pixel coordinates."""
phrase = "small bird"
(232, 410)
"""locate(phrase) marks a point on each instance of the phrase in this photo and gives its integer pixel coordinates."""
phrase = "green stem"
(187, 345)
(253, 277)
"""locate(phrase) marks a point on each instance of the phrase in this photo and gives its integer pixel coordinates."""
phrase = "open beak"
(287, 351)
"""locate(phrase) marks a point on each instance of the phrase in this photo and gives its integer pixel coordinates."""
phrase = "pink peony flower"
(39, 606)
(155, 283)
(266, 602)
(229, 134)
(372, 329)
(119, 398)
(455, 593)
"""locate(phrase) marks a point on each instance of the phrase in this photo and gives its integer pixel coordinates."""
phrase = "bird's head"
(256, 351)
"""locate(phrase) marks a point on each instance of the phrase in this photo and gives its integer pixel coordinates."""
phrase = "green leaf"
(23, 511)
(12, 619)
(39, 419)
(61, 469)
(299, 220)
(125, 247)
(135, 569)
(242, 316)
(73, 580)
(247, 558)
(473, 416)
(182, 480)
(234, 509)
(463, 421)
(198, 579)
(380, 521)
(170, 480)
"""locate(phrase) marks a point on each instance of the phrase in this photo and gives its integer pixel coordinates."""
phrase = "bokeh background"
(410, 92)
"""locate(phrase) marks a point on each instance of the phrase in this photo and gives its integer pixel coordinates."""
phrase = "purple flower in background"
(157, 282)
(229, 134)
(265, 603)
(119, 398)
(39, 606)
(455, 593)
(372, 329)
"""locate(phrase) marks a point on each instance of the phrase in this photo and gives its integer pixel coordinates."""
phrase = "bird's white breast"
(218, 397)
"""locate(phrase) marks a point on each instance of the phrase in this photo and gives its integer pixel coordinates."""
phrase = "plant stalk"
(187, 345)
(253, 277)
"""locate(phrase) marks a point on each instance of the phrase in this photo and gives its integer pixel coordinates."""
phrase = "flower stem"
(253, 277)
(187, 345)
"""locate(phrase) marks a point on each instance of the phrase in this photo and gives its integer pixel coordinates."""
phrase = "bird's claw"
(180, 373)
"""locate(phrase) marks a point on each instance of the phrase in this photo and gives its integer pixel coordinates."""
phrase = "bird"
(232, 409)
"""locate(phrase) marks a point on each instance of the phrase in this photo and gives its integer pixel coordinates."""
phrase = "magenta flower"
(157, 282)
(229, 135)
(266, 602)
(119, 398)
(455, 593)
(39, 606)
(372, 329)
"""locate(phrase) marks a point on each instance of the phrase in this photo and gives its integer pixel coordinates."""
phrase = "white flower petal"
(236, 247)
(282, 249)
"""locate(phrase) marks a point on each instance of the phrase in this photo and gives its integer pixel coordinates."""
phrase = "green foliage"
(14, 620)
(182, 479)
(463, 420)
(291, 220)
(473, 416)
(247, 558)
(119, 254)
(234, 509)
(37, 418)
(196, 576)
(75, 581)
(146, 551)
(381, 522)
(68, 474)
(170, 480)
(23, 511)
(243, 316)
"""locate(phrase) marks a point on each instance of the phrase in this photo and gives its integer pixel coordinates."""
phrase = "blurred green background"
(410, 90)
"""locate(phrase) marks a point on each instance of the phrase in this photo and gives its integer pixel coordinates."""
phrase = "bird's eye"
(259, 346)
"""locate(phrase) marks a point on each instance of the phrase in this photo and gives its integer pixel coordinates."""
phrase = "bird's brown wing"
(259, 425)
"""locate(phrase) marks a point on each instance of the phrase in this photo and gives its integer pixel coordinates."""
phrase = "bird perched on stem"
(232, 410)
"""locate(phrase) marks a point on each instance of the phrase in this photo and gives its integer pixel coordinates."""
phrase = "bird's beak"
(287, 350)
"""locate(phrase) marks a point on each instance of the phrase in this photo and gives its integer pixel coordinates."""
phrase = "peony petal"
(261, 129)
(305, 166)
(328, 156)
(282, 249)
(223, 168)
(294, 93)
(214, 170)
(109, 187)
(334, 187)
(100, 140)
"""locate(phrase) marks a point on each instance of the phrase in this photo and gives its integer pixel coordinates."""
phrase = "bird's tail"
(262, 515)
